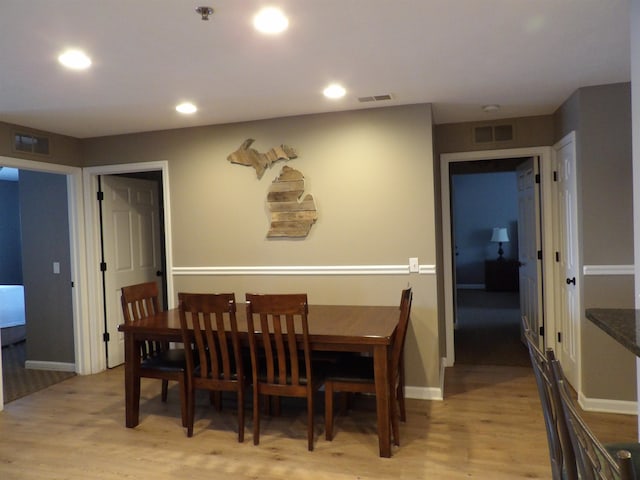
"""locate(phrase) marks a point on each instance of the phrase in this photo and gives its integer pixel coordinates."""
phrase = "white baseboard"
(428, 393)
(603, 405)
(443, 368)
(57, 366)
(423, 393)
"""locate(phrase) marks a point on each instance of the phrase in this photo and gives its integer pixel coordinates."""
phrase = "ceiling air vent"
(31, 143)
(493, 133)
(375, 98)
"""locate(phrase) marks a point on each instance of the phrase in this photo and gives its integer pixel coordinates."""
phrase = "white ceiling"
(148, 55)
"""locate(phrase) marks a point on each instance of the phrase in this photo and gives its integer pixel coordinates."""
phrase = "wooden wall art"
(260, 161)
(289, 217)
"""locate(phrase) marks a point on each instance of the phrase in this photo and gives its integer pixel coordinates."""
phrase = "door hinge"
(105, 337)
(103, 266)
(559, 337)
(541, 331)
(537, 178)
(73, 284)
(100, 196)
(539, 254)
(555, 176)
(557, 256)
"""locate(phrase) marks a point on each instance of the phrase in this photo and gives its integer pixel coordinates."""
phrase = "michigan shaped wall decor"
(290, 217)
(260, 161)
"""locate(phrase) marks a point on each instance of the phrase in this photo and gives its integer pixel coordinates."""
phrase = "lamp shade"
(500, 235)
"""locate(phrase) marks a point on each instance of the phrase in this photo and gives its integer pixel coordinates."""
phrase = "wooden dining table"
(331, 328)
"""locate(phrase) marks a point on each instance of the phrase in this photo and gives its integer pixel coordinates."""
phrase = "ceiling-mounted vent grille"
(493, 133)
(31, 143)
(375, 98)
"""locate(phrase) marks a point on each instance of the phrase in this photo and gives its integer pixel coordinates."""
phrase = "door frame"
(80, 306)
(92, 221)
(546, 175)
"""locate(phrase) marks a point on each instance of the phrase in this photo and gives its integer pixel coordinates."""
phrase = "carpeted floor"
(488, 329)
(18, 381)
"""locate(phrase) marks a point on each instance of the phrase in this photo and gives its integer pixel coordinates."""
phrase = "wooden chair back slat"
(293, 350)
(210, 331)
(157, 360)
(215, 339)
(401, 331)
(140, 301)
(283, 337)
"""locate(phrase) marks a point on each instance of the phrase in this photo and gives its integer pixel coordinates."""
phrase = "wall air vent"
(375, 98)
(493, 133)
(31, 143)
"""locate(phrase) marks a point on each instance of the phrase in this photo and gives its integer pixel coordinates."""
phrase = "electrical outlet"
(414, 267)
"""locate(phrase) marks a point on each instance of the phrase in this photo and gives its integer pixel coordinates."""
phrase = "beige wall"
(601, 118)
(371, 173)
(601, 354)
(528, 132)
(64, 150)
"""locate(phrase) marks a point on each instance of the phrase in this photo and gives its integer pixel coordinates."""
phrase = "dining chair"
(210, 334)
(561, 454)
(594, 460)
(157, 360)
(281, 353)
(356, 374)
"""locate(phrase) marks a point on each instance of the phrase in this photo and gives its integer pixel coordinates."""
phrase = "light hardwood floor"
(488, 427)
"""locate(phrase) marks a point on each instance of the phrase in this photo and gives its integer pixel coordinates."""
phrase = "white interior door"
(530, 274)
(566, 341)
(131, 235)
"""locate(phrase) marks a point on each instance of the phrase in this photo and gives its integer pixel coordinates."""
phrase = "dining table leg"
(131, 380)
(381, 372)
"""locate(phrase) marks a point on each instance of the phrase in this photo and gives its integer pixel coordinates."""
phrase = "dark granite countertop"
(623, 324)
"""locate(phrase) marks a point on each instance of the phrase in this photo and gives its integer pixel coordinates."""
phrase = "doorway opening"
(543, 226)
(485, 227)
(132, 245)
(47, 206)
(153, 232)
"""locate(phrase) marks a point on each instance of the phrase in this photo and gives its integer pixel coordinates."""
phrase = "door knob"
(571, 280)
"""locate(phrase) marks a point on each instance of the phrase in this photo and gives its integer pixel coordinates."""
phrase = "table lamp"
(500, 236)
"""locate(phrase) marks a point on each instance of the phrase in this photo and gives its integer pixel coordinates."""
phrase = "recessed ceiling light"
(75, 59)
(186, 107)
(270, 20)
(334, 91)
(490, 108)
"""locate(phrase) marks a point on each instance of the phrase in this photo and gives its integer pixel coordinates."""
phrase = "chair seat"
(354, 369)
(319, 374)
(329, 357)
(197, 372)
(172, 360)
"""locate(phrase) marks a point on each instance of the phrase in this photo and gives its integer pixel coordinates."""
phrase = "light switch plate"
(414, 267)
(56, 268)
